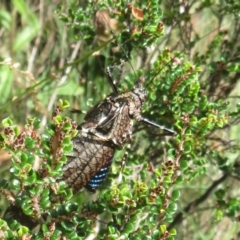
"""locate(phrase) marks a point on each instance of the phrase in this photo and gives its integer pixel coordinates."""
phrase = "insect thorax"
(112, 119)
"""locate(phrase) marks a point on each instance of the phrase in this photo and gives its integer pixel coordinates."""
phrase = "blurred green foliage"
(187, 57)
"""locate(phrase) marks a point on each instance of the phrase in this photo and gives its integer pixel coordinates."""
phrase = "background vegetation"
(180, 187)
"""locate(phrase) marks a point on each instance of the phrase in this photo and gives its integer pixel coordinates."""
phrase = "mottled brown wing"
(122, 127)
(89, 155)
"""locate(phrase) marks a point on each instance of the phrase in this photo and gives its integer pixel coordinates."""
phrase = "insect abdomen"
(89, 156)
(99, 177)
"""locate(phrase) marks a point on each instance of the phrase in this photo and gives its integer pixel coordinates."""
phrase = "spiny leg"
(115, 222)
(111, 79)
(123, 162)
(157, 125)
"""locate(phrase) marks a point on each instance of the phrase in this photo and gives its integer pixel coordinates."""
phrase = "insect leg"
(123, 162)
(111, 80)
(157, 125)
(115, 222)
(110, 76)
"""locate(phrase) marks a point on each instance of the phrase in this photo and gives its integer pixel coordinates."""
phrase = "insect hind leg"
(123, 162)
(168, 130)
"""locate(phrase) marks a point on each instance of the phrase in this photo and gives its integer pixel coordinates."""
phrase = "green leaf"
(6, 122)
(68, 226)
(183, 164)
(175, 195)
(37, 123)
(219, 215)
(67, 140)
(29, 142)
(167, 179)
(45, 193)
(128, 228)
(16, 184)
(22, 230)
(173, 207)
(3, 183)
(71, 207)
(179, 179)
(24, 158)
(68, 148)
(163, 228)
(45, 228)
(31, 179)
(35, 190)
(28, 210)
(65, 104)
(14, 225)
(173, 232)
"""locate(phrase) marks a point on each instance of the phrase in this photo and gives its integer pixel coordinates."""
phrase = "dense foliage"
(53, 59)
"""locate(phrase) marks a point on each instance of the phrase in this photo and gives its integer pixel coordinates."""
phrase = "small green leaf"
(45, 203)
(16, 184)
(169, 219)
(24, 158)
(175, 195)
(31, 178)
(28, 210)
(163, 228)
(167, 179)
(219, 215)
(172, 207)
(220, 123)
(66, 141)
(68, 148)
(25, 170)
(22, 230)
(45, 228)
(183, 164)
(173, 232)
(70, 207)
(6, 122)
(29, 142)
(68, 193)
(30, 121)
(35, 191)
(187, 147)
(3, 184)
(112, 229)
(14, 225)
(179, 179)
(128, 228)
(68, 226)
(9, 234)
(37, 123)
